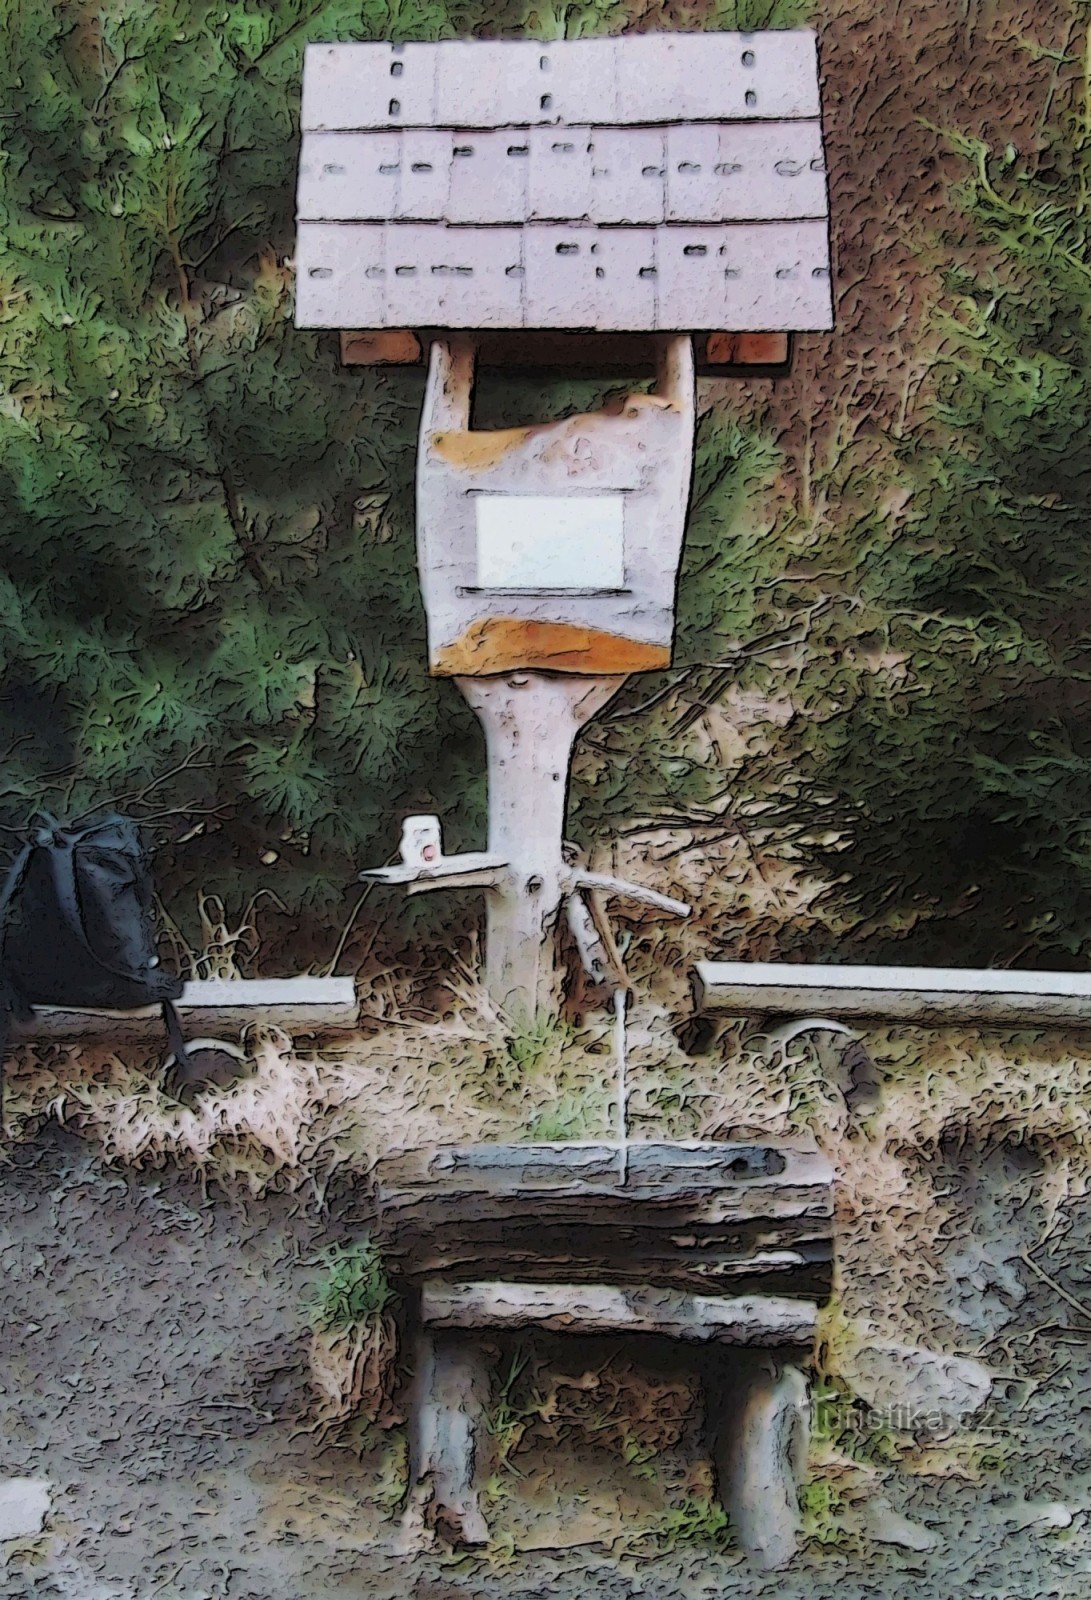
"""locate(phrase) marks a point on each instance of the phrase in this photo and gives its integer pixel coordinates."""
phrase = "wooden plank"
(685, 173)
(697, 1220)
(759, 1427)
(385, 347)
(213, 1007)
(688, 1216)
(688, 173)
(448, 1417)
(603, 1236)
(640, 1232)
(680, 1205)
(620, 1248)
(601, 354)
(807, 1280)
(756, 171)
(604, 1308)
(473, 869)
(677, 1213)
(799, 1253)
(747, 350)
(635, 80)
(742, 277)
(683, 1167)
(929, 996)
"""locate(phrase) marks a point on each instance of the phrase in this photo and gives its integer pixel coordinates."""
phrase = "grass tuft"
(354, 1289)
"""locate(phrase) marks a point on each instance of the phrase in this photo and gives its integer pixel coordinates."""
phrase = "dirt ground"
(152, 1369)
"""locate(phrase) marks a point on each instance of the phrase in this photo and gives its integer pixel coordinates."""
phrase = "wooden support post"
(758, 1422)
(531, 721)
(449, 1399)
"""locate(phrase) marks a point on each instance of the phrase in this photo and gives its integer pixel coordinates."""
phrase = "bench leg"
(447, 1419)
(759, 1424)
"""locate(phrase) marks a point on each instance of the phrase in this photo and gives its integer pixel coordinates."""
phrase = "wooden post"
(450, 1395)
(531, 720)
(758, 1423)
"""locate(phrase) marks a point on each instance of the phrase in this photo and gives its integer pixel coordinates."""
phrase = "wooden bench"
(211, 1007)
(724, 1249)
(927, 996)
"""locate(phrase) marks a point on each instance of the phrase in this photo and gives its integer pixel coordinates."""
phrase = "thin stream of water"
(620, 998)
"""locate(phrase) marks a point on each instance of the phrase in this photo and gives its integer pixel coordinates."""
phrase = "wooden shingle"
(667, 182)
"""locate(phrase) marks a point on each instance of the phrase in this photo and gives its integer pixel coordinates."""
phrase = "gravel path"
(152, 1370)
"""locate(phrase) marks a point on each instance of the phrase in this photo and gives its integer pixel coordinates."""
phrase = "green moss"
(695, 1521)
(823, 1508)
(355, 1288)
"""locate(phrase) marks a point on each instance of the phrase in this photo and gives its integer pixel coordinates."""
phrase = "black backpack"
(77, 927)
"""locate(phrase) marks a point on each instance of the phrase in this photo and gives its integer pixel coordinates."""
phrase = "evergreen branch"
(111, 78)
(188, 764)
(289, 33)
(232, 502)
(652, 701)
(723, 677)
(236, 227)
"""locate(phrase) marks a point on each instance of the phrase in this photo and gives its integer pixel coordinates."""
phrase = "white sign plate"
(546, 541)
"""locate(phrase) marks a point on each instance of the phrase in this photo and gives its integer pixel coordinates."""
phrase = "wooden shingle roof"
(663, 181)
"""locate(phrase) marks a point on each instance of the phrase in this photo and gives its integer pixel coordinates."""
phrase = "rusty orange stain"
(747, 349)
(505, 644)
(475, 450)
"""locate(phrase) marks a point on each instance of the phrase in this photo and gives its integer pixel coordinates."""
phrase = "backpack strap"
(175, 1037)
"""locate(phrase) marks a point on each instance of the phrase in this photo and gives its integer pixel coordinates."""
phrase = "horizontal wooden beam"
(598, 354)
(383, 347)
(474, 869)
(214, 1007)
(630, 81)
(734, 350)
(697, 1217)
(603, 1308)
(803, 1271)
(664, 1168)
(929, 996)
(345, 177)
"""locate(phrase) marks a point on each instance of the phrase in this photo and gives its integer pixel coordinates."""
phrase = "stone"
(884, 1525)
(24, 1506)
(986, 1286)
(1038, 1516)
(916, 1390)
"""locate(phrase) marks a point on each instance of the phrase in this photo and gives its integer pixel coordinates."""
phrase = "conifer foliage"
(207, 576)
(208, 596)
(957, 785)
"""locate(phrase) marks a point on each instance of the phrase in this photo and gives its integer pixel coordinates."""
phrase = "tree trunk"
(531, 721)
